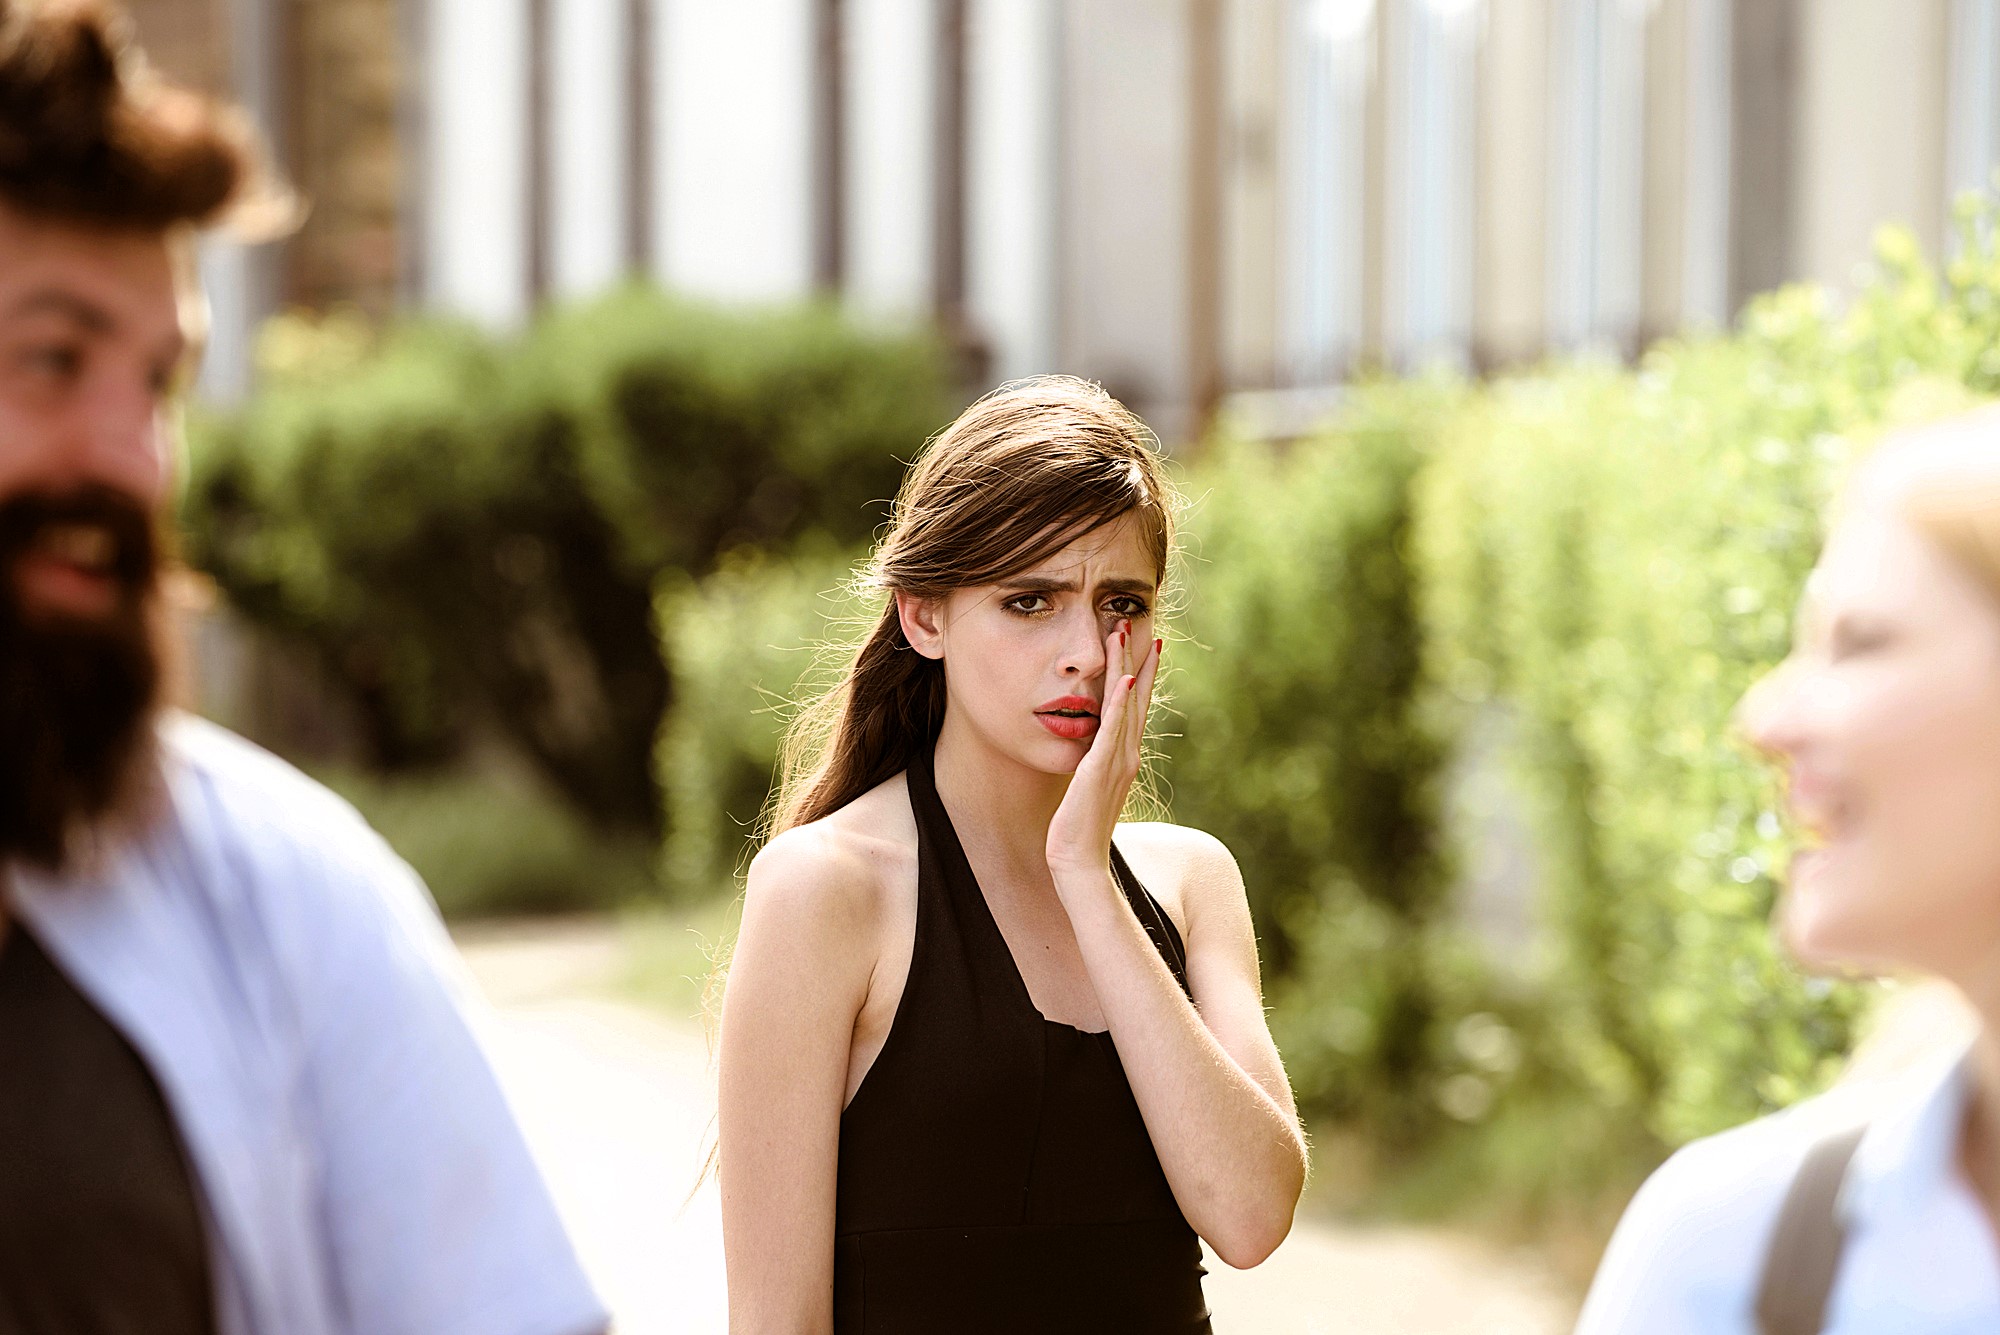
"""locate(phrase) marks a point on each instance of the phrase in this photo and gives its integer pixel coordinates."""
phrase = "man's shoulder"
(274, 841)
(238, 777)
(436, 1217)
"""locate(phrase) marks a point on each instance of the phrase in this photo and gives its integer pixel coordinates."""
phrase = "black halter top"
(995, 1176)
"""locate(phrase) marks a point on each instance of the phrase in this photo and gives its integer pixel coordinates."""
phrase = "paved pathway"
(618, 1102)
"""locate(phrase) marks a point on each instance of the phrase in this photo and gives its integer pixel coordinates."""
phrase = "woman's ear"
(921, 623)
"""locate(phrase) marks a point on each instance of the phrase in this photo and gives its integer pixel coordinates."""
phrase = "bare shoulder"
(1190, 871)
(837, 873)
(1181, 850)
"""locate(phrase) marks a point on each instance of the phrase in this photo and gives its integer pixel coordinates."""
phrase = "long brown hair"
(1020, 475)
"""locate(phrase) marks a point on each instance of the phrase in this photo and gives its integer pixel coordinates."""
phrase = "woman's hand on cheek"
(1079, 842)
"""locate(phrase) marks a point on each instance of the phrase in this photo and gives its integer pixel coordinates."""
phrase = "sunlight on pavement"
(614, 1102)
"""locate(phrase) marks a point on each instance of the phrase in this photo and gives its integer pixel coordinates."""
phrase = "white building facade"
(1182, 198)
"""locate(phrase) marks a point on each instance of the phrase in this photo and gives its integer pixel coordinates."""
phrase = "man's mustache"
(94, 526)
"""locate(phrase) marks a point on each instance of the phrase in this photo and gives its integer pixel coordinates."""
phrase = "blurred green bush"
(465, 532)
(744, 646)
(487, 846)
(1603, 561)
(1297, 737)
(1614, 559)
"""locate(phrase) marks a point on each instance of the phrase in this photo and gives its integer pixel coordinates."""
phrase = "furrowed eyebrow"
(1036, 584)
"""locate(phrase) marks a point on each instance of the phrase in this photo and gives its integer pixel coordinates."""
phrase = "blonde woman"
(990, 1058)
(1874, 1207)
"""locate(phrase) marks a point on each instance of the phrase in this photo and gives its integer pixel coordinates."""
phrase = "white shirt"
(1920, 1256)
(287, 980)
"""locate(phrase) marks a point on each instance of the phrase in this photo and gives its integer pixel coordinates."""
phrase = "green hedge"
(1601, 561)
(1298, 738)
(744, 646)
(1615, 559)
(465, 532)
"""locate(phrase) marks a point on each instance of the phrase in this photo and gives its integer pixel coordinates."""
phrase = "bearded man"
(238, 1092)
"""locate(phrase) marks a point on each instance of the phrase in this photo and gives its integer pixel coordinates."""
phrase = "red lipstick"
(1070, 716)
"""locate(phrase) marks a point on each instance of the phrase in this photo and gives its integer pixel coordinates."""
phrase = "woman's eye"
(1021, 604)
(1130, 608)
(1850, 641)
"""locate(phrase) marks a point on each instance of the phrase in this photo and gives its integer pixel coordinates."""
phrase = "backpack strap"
(1804, 1258)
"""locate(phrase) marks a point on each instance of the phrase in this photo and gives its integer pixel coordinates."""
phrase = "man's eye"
(56, 361)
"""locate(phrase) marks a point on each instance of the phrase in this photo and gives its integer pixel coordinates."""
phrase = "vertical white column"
(1431, 164)
(1597, 179)
(733, 205)
(890, 77)
(1705, 264)
(1324, 146)
(1124, 271)
(1972, 134)
(476, 242)
(1014, 97)
(1621, 177)
(227, 359)
(1573, 166)
(1872, 130)
(240, 282)
(587, 145)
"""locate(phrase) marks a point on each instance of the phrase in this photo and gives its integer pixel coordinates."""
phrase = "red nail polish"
(1130, 682)
(1158, 645)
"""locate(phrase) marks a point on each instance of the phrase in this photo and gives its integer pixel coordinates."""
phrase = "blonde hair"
(1945, 480)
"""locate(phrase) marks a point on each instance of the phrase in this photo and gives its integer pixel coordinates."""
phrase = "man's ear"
(922, 623)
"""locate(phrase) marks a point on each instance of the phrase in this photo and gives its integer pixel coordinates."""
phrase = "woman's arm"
(1208, 1082)
(797, 981)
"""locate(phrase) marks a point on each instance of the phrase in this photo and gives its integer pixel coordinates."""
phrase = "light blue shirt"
(1920, 1256)
(287, 979)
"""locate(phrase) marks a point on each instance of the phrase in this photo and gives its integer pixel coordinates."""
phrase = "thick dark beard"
(78, 699)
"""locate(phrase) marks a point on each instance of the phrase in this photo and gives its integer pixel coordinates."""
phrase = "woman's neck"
(999, 805)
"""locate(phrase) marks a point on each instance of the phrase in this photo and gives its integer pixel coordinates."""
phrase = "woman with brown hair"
(992, 1059)
(1872, 1208)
